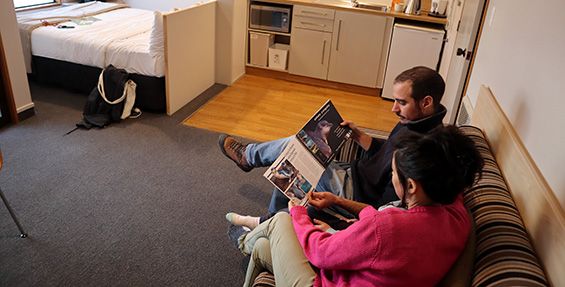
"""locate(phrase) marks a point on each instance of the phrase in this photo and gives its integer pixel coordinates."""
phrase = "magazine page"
(323, 135)
(295, 172)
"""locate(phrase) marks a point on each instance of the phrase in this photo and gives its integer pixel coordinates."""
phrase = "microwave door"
(269, 18)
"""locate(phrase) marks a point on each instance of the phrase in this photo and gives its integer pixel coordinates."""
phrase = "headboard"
(543, 216)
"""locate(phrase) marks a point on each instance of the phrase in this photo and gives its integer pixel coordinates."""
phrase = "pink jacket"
(392, 247)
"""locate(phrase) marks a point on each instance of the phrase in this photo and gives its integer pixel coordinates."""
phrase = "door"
(465, 45)
(357, 45)
(309, 53)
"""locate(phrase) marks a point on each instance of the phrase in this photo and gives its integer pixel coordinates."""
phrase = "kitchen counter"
(346, 5)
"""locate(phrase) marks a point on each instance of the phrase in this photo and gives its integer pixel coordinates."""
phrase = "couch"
(499, 252)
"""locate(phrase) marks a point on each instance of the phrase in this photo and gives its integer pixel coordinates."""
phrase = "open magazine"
(299, 167)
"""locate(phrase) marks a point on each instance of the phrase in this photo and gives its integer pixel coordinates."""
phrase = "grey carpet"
(140, 203)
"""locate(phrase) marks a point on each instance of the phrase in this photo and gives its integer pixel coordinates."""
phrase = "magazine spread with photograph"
(299, 167)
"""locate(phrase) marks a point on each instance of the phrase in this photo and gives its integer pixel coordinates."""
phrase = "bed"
(136, 40)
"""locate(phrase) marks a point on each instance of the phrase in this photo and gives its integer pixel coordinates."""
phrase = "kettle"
(412, 7)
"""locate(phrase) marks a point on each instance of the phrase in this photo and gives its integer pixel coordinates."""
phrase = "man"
(417, 93)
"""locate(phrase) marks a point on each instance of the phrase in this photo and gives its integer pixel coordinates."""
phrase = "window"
(31, 3)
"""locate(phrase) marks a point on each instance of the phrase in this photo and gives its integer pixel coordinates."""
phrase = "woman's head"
(443, 163)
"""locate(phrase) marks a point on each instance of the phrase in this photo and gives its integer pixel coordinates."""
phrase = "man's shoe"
(234, 233)
(235, 151)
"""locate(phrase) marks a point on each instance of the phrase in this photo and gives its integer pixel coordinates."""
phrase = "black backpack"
(107, 107)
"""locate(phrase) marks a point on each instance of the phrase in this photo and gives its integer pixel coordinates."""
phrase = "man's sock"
(248, 221)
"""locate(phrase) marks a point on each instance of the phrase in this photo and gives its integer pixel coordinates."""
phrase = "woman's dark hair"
(444, 161)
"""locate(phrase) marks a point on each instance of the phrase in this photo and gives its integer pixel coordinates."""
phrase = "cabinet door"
(357, 46)
(309, 53)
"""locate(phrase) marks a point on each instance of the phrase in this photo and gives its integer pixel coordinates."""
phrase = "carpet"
(261, 109)
(139, 203)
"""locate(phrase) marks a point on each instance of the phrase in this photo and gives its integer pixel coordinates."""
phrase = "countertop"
(346, 5)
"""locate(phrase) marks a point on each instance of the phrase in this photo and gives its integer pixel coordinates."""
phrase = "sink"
(377, 7)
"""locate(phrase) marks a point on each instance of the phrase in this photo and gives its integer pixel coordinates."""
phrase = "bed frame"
(542, 213)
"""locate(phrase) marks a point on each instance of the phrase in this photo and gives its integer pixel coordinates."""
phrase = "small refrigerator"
(411, 46)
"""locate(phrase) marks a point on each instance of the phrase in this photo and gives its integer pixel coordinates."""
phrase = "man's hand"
(322, 199)
(322, 225)
(363, 139)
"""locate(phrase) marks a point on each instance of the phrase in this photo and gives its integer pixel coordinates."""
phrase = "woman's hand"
(292, 203)
(322, 199)
(322, 225)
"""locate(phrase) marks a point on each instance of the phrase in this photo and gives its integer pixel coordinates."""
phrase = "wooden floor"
(260, 108)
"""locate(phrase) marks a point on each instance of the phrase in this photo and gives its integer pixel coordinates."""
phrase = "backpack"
(110, 101)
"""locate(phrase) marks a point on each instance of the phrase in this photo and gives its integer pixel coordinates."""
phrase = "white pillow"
(157, 40)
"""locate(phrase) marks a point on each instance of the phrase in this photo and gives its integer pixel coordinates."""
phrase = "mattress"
(119, 37)
(132, 54)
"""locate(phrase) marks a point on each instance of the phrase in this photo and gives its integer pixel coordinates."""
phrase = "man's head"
(417, 93)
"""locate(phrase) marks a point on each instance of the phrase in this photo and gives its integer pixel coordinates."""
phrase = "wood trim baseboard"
(26, 114)
(374, 92)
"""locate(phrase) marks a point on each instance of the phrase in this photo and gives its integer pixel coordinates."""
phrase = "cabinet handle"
(315, 13)
(312, 23)
(323, 51)
(338, 36)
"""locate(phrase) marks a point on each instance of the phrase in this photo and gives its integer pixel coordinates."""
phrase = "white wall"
(231, 23)
(160, 5)
(14, 56)
(521, 57)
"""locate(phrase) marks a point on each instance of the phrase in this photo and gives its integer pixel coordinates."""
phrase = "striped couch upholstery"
(504, 255)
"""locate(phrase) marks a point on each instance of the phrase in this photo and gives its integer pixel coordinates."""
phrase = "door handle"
(338, 36)
(323, 51)
(464, 53)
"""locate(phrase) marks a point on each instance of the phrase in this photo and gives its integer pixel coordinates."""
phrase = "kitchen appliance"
(438, 8)
(411, 46)
(412, 7)
(270, 16)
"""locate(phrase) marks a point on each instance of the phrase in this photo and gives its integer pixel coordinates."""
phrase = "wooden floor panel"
(260, 108)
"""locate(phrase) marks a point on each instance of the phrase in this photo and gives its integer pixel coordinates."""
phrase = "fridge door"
(411, 46)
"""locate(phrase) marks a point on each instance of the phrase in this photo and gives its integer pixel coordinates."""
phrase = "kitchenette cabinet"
(311, 39)
(309, 53)
(358, 43)
(340, 46)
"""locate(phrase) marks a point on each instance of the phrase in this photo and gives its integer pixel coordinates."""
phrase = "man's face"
(405, 107)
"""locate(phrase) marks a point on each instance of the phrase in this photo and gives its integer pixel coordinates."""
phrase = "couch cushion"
(504, 253)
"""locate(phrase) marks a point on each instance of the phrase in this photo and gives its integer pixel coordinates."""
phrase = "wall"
(520, 57)
(14, 56)
(160, 5)
(231, 22)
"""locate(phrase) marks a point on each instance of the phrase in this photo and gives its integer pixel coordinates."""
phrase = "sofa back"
(504, 255)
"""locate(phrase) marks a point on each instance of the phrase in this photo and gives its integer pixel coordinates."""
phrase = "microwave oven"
(270, 16)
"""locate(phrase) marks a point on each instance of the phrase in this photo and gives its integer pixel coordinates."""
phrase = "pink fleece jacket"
(392, 247)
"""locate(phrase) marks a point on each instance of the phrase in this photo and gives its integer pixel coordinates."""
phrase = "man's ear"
(427, 102)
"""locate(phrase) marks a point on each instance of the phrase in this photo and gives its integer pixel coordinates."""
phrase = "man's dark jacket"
(372, 180)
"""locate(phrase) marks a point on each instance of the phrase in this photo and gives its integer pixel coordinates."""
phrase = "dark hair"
(425, 81)
(444, 161)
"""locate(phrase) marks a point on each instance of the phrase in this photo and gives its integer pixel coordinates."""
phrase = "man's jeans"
(264, 154)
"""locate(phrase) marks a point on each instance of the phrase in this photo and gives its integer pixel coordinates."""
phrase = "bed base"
(150, 91)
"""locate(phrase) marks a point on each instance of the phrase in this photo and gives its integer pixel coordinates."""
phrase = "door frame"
(7, 103)
(464, 79)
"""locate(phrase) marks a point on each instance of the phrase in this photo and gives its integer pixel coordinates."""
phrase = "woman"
(412, 242)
